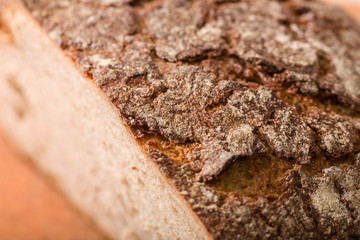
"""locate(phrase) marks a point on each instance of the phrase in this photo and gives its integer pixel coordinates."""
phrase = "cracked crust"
(265, 91)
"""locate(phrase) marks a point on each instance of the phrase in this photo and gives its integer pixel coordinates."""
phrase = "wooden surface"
(31, 209)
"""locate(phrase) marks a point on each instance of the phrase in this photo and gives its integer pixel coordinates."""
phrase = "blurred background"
(31, 208)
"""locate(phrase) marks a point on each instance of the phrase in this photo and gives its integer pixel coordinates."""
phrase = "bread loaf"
(176, 119)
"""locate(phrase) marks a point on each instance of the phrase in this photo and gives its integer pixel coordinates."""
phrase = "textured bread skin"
(208, 85)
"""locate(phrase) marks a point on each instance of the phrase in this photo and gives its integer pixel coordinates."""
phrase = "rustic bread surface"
(251, 108)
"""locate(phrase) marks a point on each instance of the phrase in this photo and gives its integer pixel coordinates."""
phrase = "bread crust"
(206, 84)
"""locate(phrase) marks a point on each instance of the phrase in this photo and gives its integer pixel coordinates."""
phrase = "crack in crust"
(207, 83)
(311, 207)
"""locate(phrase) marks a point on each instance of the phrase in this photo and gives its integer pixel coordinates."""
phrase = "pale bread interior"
(58, 118)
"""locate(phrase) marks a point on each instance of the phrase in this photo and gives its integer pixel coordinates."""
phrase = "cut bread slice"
(62, 121)
(190, 119)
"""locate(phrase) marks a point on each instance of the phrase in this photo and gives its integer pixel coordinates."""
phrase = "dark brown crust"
(206, 83)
